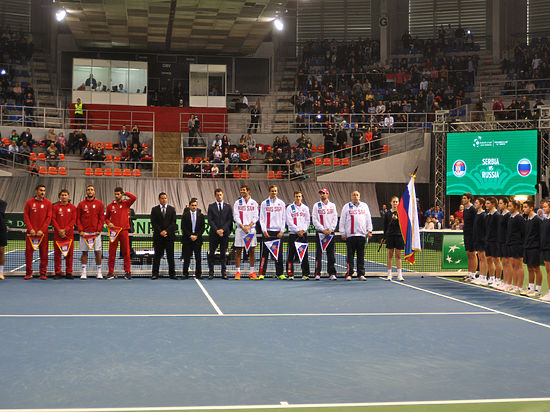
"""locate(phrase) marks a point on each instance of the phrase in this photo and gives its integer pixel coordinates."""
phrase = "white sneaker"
(362, 278)
(546, 298)
(515, 289)
(524, 292)
(400, 278)
(332, 277)
(99, 276)
(482, 282)
(348, 277)
(317, 277)
(83, 276)
(533, 294)
(389, 277)
(507, 288)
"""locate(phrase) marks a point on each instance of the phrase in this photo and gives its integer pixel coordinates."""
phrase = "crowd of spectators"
(448, 40)
(341, 81)
(528, 64)
(14, 48)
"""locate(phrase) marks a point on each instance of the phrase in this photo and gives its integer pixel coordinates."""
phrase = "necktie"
(163, 211)
(220, 207)
(193, 220)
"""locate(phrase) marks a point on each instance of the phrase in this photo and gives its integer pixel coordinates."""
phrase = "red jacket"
(90, 216)
(118, 213)
(63, 217)
(38, 215)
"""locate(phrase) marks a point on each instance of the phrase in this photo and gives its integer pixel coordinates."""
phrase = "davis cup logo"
(524, 167)
(459, 168)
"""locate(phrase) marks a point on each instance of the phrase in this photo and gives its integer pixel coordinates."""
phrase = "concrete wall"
(393, 169)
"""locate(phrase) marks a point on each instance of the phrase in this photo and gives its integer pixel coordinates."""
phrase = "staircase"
(489, 80)
(167, 154)
(43, 85)
(284, 116)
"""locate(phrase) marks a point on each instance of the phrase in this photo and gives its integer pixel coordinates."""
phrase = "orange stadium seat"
(89, 171)
(108, 145)
(245, 174)
(109, 158)
(116, 158)
(98, 171)
(318, 161)
(271, 174)
(107, 172)
(117, 172)
(326, 162)
(127, 172)
(198, 159)
(136, 173)
(313, 149)
(345, 162)
(42, 170)
(279, 174)
(61, 156)
(62, 171)
(337, 162)
(321, 149)
(52, 170)
(33, 156)
(42, 156)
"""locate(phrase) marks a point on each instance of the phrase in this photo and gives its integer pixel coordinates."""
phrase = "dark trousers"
(160, 245)
(191, 248)
(331, 260)
(293, 254)
(253, 125)
(222, 242)
(355, 245)
(265, 255)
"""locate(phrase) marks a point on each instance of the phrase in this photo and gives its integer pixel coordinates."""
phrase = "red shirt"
(90, 216)
(118, 213)
(38, 214)
(63, 217)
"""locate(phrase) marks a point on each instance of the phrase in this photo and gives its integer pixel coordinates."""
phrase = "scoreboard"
(492, 163)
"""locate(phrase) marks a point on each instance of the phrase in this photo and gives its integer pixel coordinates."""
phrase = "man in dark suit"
(220, 219)
(163, 220)
(192, 227)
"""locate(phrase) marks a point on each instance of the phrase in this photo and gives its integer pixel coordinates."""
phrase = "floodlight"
(278, 24)
(60, 14)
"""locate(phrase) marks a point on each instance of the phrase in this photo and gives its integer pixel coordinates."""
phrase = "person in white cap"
(325, 218)
(355, 226)
(297, 220)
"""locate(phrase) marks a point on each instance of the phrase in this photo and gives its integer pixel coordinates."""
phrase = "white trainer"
(317, 277)
(524, 292)
(99, 276)
(83, 276)
(348, 277)
(533, 294)
(546, 298)
(389, 277)
(332, 277)
(400, 278)
(362, 278)
(482, 282)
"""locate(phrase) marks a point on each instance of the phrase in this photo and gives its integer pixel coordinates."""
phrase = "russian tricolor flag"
(524, 167)
(408, 220)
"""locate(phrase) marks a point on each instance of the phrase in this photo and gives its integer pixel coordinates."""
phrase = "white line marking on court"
(474, 304)
(23, 265)
(279, 406)
(494, 290)
(209, 297)
(246, 315)
(283, 403)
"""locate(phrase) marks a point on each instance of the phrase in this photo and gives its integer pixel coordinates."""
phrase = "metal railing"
(60, 118)
(513, 88)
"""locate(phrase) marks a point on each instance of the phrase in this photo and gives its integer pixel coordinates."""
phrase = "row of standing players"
(273, 216)
(499, 236)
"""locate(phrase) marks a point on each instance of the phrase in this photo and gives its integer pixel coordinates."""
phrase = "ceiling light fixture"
(60, 14)
(278, 23)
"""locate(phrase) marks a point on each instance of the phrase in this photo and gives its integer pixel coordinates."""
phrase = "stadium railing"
(513, 88)
(438, 254)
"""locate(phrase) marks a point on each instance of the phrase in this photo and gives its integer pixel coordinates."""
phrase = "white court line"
(281, 406)
(209, 297)
(474, 304)
(23, 265)
(246, 315)
(494, 290)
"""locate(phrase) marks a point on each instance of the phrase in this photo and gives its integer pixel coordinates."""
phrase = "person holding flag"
(89, 221)
(393, 239)
(324, 217)
(298, 220)
(63, 221)
(245, 215)
(407, 210)
(272, 222)
(356, 226)
(117, 220)
(37, 216)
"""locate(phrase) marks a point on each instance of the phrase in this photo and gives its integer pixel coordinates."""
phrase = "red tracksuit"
(63, 217)
(118, 214)
(37, 216)
(90, 216)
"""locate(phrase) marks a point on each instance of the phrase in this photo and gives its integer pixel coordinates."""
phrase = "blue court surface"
(164, 343)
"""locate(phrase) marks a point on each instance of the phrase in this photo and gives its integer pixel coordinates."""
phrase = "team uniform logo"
(524, 167)
(459, 168)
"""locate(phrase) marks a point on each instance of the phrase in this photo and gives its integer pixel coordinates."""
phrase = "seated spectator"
(285, 144)
(82, 140)
(234, 159)
(242, 143)
(134, 153)
(191, 170)
(217, 156)
(145, 157)
(89, 151)
(52, 155)
(430, 225)
(13, 151)
(215, 171)
(245, 158)
(26, 136)
(269, 158)
(34, 168)
(61, 143)
(50, 137)
(226, 142)
(300, 156)
(298, 171)
(251, 145)
(459, 214)
(276, 143)
(217, 142)
(25, 151)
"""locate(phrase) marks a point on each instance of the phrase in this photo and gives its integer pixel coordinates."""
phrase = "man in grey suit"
(220, 220)
(163, 220)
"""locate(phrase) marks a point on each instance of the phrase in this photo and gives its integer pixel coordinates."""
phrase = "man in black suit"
(163, 220)
(192, 227)
(220, 219)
